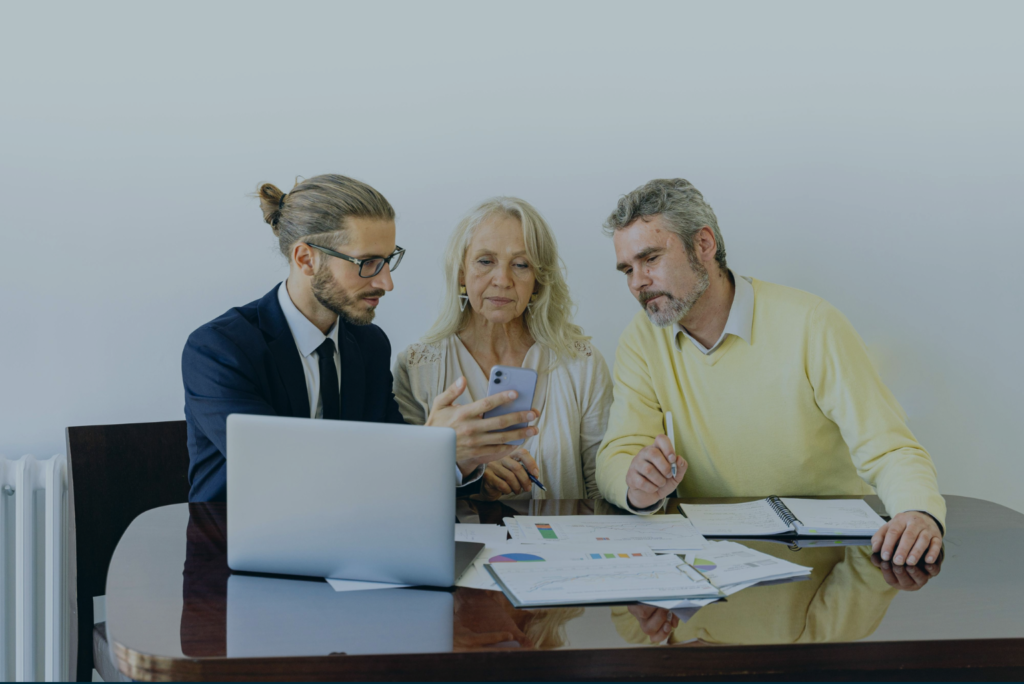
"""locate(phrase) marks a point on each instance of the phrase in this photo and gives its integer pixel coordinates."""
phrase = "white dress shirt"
(307, 339)
(739, 323)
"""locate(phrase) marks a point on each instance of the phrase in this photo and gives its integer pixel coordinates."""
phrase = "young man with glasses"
(308, 348)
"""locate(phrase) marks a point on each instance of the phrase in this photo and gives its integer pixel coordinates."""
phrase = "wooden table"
(176, 612)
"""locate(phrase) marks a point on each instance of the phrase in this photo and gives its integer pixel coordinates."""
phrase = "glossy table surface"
(175, 611)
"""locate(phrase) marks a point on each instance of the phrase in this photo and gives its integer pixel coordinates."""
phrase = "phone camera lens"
(497, 373)
(497, 381)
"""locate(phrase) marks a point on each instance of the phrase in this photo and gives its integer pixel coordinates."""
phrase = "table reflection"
(205, 583)
(486, 619)
(237, 615)
(845, 599)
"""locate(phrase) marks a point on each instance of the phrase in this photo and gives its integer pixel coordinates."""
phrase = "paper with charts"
(477, 577)
(728, 563)
(734, 567)
(663, 533)
(615, 580)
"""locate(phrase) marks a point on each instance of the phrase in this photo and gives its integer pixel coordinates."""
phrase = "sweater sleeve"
(412, 409)
(596, 399)
(849, 391)
(635, 420)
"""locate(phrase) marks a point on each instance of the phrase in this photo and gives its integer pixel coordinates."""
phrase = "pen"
(671, 437)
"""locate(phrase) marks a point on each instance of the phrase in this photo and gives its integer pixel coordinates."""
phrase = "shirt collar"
(307, 336)
(740, 321)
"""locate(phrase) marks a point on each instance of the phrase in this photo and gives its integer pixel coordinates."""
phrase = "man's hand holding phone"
(477, 442)
(649, 478)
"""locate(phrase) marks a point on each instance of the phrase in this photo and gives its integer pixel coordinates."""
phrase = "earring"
(463, 298)
(533, 298)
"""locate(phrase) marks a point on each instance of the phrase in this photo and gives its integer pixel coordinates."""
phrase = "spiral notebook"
(785, 516)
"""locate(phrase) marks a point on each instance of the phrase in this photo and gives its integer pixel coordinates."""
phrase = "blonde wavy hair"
(549, 319)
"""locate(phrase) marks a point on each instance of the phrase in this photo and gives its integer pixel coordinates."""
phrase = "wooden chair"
(116, 473)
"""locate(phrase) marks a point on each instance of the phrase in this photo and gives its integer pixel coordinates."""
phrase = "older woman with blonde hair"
(507, 303)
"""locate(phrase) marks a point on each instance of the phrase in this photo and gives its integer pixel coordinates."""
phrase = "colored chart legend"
(599, 556)
(546, 531)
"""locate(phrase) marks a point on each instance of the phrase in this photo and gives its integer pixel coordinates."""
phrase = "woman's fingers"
(524, 457)
(505, 470)
(448, 397)
(516, 468)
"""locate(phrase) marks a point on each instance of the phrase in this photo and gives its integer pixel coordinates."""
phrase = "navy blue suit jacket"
(245, 361)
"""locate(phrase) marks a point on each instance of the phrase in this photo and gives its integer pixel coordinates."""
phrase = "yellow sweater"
(800, 411)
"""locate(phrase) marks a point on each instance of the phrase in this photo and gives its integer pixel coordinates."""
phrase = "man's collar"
(307, 336)
(741, 317)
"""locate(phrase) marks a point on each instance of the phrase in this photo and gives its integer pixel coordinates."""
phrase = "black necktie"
(330, 397)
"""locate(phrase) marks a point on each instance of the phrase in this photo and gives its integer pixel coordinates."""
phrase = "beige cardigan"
(573, 398)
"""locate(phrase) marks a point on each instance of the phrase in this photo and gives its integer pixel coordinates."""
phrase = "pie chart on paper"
(704, 565)
(515, 558)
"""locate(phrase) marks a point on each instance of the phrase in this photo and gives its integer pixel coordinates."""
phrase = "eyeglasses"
(369, 266)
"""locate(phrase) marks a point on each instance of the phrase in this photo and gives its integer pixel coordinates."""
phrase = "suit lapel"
(353, 375)
(284, 352)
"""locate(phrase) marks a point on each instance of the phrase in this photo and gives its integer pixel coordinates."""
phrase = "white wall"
(870, 153)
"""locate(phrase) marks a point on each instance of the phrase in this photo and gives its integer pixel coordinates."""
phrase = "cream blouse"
(573, 398)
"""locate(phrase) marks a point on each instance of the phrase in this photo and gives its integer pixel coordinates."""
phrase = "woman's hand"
(476, 443)
(509, 475)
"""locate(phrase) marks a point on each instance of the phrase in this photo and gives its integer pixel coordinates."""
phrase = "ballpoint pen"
(671, 437)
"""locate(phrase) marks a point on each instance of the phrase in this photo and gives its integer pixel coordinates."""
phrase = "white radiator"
(35, 630)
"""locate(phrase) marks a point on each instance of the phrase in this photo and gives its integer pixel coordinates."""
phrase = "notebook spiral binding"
(782, 510)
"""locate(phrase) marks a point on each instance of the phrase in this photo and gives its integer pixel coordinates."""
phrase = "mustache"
(648, 295)
(371, 294)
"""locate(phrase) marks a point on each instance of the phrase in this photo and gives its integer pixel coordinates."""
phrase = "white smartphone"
(523, 381)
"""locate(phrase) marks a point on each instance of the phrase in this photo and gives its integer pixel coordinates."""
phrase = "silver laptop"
(341, 499)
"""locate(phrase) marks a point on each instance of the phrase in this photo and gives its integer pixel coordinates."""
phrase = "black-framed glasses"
(370, 266)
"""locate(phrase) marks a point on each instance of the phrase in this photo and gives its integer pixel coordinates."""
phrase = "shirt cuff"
(461, 481)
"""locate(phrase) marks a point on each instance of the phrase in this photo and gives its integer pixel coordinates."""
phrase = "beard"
(671, 309)
(337, 299)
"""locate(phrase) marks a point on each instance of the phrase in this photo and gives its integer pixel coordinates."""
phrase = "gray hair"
(678, 202)
(318, 207)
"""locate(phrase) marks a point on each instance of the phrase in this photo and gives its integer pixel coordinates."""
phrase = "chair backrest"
(117, 472)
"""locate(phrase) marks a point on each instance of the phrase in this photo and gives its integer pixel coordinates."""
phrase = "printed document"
(610, 581)
(662, 533)
(728, 563)
(484, 534)
(477, 577)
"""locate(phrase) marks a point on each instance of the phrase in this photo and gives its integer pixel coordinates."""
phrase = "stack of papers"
(590, 581)
(476, 575)
(662, 533)
(732, 567)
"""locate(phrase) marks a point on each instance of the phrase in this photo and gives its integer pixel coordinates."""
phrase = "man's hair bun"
(272, 203)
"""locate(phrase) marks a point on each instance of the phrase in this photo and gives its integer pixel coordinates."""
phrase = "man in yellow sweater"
(771, 389)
